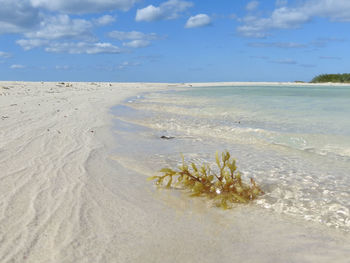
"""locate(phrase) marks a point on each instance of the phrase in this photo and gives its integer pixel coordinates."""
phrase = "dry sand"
(64, 199)
(47, 137)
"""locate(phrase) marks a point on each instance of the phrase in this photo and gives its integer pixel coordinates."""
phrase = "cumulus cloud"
(149, 13)
(17, 66)
(69, 47)
(83, 6)
(17, 16)
(199, 20)
(23, 16)
(134, 39)
(82, 48)
(281, 18)
(47, 25)
(61, 34)
(138, 43)
(28, 44)
(284, 17)
(167, 10)
(62, 27)
(104, 20)
(4, 54)
(335, 10)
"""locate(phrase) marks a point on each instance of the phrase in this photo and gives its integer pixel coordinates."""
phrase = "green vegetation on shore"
(225, 187)
(335, 78)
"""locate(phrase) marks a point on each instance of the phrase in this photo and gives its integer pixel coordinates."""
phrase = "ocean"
(293, 140)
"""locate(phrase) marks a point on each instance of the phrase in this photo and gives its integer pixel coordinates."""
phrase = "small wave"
(320, 144)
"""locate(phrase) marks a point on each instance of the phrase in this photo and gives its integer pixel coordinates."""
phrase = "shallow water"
(295, 141)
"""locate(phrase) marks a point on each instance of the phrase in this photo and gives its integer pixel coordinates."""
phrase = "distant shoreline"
(188, 84)
(198, 84)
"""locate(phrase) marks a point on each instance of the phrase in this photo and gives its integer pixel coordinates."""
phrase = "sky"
(173, 40)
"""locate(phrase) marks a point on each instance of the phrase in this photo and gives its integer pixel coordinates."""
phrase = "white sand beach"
(64, 196)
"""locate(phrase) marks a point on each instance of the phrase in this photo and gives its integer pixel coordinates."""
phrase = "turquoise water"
(326, 110)
(294, 140)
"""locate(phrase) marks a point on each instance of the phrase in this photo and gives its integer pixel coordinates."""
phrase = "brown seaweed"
(225, 186)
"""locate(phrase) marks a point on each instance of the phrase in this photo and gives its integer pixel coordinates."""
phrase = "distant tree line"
(339, 78)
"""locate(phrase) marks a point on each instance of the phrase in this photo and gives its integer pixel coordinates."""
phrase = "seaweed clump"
(225, 186)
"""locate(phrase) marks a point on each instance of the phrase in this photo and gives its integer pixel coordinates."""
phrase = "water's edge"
(299, 182)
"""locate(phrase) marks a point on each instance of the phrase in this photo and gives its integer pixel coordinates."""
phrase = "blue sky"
(174, 40)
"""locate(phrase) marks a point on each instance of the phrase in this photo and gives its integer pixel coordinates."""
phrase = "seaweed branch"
(224, 188)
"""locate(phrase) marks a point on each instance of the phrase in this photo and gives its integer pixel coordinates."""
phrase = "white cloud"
(335, 10)
(28, 44)
(138, 43)
(17, 66)
(69, 47)
(284, 17)
(62, 27)
(149, 13)
(61, 34)
(281, 18)
(167, 10)
(23, 16)
(56, 31)
(199, 20)
(252, 5)
(17, 16)
(104, 20)
(83, 6)
(4, 54)
(288, 18)
(20, 16)
(134, 39)
(82, 48)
